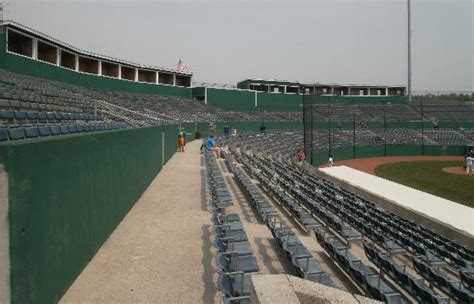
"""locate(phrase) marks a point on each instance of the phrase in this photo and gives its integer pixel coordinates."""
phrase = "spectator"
(234, 133)
(331, 160)
(227, 131)
(300, 155)
(211, 145)
(469, 164)
(181, 139)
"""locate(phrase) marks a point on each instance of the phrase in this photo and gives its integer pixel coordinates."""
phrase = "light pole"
(409, 50)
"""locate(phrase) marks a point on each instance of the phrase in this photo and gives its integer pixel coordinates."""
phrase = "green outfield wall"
(66, 195)
(322, 157)
(254, 127)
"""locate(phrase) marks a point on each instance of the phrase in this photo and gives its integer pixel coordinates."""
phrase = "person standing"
(181, 139)
(331, 160)
(469, 164)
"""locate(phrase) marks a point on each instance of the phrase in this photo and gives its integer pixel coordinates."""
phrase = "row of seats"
(24, 132)
(343, 211)
(46, 116)
(235, 257)
(383, 225)
(398, 273)
(443, 281)
(302, 260)
(364, 275)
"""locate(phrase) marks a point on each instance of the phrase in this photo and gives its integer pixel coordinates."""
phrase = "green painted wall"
(277, 102)
(67, 194)
(23, 65)
(388, 150)
(231, 100)
(254, 127)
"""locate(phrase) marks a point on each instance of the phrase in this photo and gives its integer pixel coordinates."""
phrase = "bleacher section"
(418, 263)
(23, 94)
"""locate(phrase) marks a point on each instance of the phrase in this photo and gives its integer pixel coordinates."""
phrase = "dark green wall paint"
(67, 194)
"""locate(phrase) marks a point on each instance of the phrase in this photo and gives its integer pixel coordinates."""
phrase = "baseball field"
(442, 178)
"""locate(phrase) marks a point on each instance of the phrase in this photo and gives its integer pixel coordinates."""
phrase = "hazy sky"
(351, 41)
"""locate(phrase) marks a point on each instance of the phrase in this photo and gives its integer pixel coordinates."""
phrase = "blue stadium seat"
(32, 115)
(73, 128)
(92, 127)
(3, 134)
(64, 129)
(55, 130)
(42, 116)
(58, 116)
(80, 128)
(20, 115)
(87, 128)
(16, 133)
(50, 116)
(75, 116)
(67, 116)
(31, 132)
(82, 117)
(7, 115)
(44, 131)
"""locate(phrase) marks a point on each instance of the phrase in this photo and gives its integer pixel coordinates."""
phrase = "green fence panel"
(443, 150)
(203, 128)
(320, 158)
(66, 195)
(403, 150)
(369, 151)
(278, 102)
(244, 127)
(231, 100)
(171, 140)
(340, 154)
(190, 128)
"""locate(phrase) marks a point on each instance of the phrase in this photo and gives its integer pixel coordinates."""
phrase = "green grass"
(428, 176)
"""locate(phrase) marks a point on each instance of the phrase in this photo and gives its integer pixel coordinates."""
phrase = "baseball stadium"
(281, 192)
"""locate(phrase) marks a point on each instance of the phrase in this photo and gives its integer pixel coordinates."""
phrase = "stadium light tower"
(409, 50)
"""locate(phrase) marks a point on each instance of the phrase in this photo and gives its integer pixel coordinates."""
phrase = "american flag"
(181, 66)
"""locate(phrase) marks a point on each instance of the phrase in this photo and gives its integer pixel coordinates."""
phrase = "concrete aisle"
(161, 251)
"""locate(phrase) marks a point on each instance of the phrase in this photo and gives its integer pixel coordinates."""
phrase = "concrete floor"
(162, 250)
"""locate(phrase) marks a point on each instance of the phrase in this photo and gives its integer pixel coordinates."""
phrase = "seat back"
(3, 134)
(44, 131)
(31, 132)
(16, 133)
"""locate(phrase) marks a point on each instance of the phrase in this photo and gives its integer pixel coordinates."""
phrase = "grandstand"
(96, 205)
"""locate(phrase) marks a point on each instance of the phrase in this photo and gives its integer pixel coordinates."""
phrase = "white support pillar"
(174, 79)
(256, 99)
(119, 71)
(368, 91)
(35, 49)
(349, 93)
(284, 89)
(205, 95)
(386, 91)
(135, 77)
(58, 56)
(157, 76)
(76, 62)
(100, 68)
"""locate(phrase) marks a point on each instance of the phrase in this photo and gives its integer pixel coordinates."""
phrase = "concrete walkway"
(161, 251)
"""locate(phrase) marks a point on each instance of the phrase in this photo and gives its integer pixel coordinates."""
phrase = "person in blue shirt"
(210, 141)
(211, 145)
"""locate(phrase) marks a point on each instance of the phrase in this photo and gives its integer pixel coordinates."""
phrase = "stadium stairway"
(159, 253)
